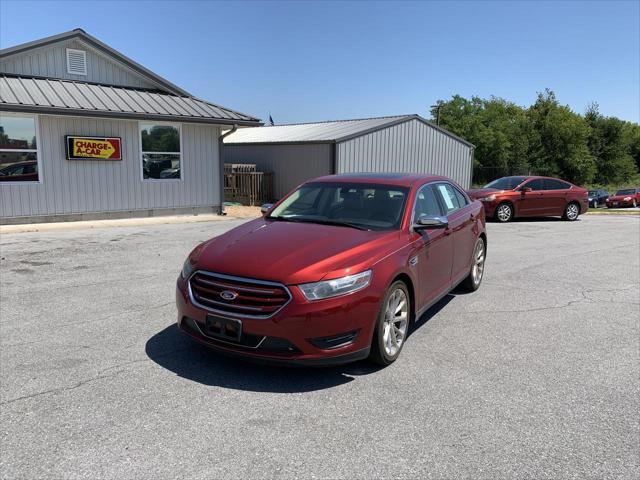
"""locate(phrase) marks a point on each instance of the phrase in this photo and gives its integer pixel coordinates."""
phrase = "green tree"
(558, 141)
(611, 143)
(497, 127)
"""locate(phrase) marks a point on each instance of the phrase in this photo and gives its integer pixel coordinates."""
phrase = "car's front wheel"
(504, 212)
(571, 212)
(392, 325)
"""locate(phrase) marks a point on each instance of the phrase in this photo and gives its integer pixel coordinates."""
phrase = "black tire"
(500, 212)
(571, 212)
(378, 354)
(472, 282)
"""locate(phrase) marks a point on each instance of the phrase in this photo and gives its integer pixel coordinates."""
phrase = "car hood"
(293, 253)
(482, 192)
(617, 198)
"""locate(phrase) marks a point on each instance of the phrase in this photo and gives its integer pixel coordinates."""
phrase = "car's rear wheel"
(392, 325)
(571, 212)
(504, 212)
(474, 279)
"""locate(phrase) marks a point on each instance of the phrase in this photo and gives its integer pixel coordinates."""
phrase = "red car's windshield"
(360, 205)
(628, 191)
(506, 183)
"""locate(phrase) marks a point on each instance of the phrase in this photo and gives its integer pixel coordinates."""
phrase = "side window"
(462, 200)
(537, 184)
(556, 185)
(449, 198)
(426, 203)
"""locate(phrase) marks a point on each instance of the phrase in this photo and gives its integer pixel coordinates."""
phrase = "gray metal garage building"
(405, 143)
(86, 132)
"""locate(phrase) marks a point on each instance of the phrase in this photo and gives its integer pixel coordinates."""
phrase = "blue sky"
(306, 61)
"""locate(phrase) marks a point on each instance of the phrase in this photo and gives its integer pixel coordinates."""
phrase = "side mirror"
(526, 189)
(265, 208)
(430, 221)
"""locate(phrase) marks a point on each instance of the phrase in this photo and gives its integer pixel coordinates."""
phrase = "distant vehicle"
(336, 271)
(527, 196)
(153, 168)
(628, 197)
(20, 172)
(598, 198)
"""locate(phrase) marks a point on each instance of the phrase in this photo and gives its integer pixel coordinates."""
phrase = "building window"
(161, 154)
(18, 148)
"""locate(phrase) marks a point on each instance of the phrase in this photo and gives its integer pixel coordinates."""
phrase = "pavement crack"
(61, 389)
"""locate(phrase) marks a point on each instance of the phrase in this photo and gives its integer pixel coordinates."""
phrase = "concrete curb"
(124, 222)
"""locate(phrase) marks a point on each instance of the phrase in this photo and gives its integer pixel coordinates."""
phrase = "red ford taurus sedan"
(336, 271)
(509, 197)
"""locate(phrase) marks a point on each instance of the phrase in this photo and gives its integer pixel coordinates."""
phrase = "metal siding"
(91, 186)
(291, 164)
(410, 147)
(51, 61)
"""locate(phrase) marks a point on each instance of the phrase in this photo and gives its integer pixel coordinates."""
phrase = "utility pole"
(437, 107)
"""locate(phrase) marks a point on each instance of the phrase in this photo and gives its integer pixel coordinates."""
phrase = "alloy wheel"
(572, 211)
(478, 263)
(396, 318)
(504, 212)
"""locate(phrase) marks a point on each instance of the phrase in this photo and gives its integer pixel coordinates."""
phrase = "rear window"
(556, 184)
(506, 183)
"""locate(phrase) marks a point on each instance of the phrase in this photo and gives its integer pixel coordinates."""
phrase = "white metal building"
(404, 143)
(86, 132)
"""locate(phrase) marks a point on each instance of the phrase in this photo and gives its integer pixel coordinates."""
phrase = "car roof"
(391, 178)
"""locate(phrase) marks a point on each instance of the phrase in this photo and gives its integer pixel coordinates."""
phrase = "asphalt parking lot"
(533, 376)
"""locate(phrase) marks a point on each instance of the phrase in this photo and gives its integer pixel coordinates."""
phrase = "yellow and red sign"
(93, 148)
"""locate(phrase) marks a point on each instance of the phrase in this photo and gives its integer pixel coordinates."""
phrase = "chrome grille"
(252, 298)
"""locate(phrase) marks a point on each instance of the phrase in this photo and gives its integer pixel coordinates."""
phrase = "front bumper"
(619, 203)
(489, 208)
(293, 334)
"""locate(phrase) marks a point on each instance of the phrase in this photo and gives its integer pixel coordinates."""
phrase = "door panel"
(434, 254)
(556, 196)
(532, 203)
(433, 250)
(461, 223)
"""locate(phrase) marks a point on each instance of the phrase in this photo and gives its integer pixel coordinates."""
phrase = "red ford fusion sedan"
(629, 197)
(336, 271)
(510, 197)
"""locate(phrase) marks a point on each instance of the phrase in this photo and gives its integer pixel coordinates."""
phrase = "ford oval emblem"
(228, 295)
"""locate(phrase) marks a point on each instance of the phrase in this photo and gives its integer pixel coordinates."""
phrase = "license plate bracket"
(223, 328)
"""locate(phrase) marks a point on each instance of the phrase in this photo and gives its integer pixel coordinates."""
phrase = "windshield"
(506, 183)
(628, 191)
(592, 193)
(357, 205)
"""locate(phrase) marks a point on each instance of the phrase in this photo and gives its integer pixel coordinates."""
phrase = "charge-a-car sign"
(93, 148)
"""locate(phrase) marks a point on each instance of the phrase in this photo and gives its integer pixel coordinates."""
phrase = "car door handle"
(447, 231)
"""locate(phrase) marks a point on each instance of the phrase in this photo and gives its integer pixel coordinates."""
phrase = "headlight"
(335, 287)
(187, 269)
(626, 199)
(490, 198)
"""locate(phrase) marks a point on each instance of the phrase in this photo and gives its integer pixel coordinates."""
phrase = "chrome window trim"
(240, 279)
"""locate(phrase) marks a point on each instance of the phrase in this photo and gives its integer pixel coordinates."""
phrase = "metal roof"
(92, 41)
(43, 95)
(323, 132)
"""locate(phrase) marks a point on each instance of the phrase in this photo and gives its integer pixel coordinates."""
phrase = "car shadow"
(533, 220)
(176, 352)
